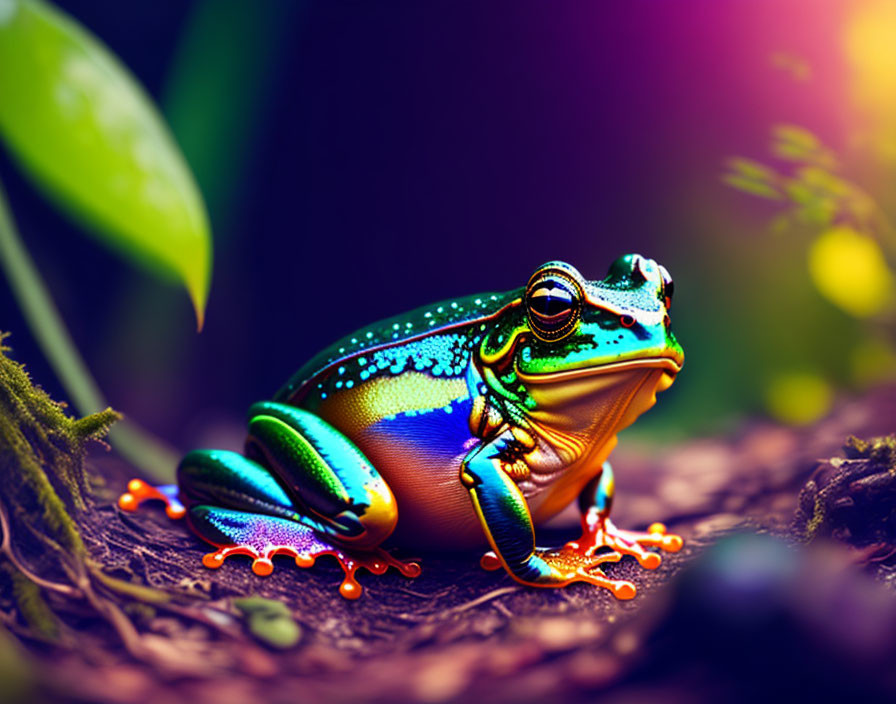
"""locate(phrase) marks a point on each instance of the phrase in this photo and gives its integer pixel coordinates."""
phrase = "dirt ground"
(743, 611)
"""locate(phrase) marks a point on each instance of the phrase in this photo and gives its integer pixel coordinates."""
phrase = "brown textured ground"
(459, 633)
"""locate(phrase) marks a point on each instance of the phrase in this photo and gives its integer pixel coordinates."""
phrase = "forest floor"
(744, 610)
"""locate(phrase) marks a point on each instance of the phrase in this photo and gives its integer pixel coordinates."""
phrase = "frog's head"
(588, 351)
(581, 327)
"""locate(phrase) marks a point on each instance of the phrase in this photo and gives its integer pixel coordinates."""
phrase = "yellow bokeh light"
(849, 269)
(868, 42)
(798, 398)
(873, 361)
(870, 51)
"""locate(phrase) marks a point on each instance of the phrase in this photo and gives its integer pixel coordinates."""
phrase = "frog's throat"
(577, 416)
(578, 409)
(585, 446)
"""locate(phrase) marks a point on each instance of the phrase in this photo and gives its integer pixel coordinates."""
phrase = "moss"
(31, 604)
(20, 465)
(43, 444)
(42, 471)
(879, 450)
(852, 499)
(813, 525)
(17, 675)
(94, 426)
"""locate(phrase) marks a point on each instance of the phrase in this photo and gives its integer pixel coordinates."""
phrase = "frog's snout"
(635, 270)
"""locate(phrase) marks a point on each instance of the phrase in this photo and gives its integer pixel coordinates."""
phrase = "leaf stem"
(135, 444)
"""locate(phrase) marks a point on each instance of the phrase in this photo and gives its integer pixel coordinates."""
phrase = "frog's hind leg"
(324, 473)
(598, 531)
(304, 490)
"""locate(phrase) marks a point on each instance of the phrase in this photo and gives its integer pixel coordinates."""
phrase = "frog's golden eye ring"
(626, 321)
(553, 305)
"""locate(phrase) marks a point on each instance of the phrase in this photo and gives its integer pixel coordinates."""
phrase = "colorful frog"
(455, 426)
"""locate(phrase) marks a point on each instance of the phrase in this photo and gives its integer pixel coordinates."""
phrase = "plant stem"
(135, 444)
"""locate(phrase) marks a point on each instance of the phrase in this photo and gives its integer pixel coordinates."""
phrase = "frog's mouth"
(670, 365)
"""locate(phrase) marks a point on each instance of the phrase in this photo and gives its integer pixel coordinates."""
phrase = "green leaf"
(748, 168)
(800, 193)
(795, 143)
(798, 137)
(269, 621)
(824, 180)
(756, 188)
(86, 132)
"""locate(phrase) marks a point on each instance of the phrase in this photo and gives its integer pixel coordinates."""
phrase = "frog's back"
(402, 391)
(452, 318)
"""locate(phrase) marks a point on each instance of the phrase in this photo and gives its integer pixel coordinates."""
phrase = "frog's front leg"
(598, 531)
(505, 518)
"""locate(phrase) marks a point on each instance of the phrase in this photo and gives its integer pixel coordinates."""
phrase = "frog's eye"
(553, 304)
(668, 286)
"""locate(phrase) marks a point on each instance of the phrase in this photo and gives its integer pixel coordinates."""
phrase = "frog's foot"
(139, 491)
(568, 565)
(262, 537)
(600, 532)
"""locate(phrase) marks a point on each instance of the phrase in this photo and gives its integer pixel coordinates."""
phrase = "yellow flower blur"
(868, 46)
(798, 398)
(849, 269)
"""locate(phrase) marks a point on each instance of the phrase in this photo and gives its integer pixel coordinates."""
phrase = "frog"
(458, 426)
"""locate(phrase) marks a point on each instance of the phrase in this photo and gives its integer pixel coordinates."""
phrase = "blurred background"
(361, 159)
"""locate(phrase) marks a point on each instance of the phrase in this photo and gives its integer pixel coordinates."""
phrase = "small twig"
(434, 595)
(148, 595)
(123, 626)
(381, 633)
(410, 617)
(460, 608)
(503, 609)
(879, 552)
(7, 549)
(120, 622)
(494, 594)
(42, 537)
(233, 629)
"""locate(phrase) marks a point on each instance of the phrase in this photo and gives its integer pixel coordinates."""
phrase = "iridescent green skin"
(457, 424)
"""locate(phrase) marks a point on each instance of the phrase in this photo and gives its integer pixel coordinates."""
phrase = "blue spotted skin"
(438, 339)
(459, 424)
(255, 530)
